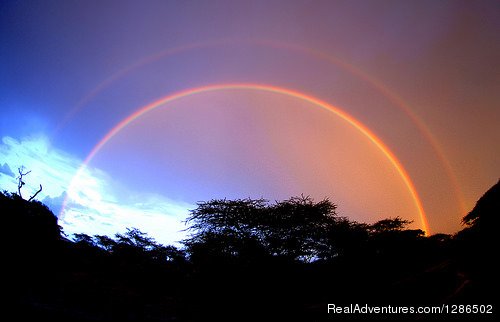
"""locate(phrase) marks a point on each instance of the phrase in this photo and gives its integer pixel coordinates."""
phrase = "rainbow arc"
(282, 91)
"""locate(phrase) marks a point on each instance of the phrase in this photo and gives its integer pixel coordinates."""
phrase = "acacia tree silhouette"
(297, 228)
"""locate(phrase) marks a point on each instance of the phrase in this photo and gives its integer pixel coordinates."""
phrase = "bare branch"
(21, 183)
(33, 197)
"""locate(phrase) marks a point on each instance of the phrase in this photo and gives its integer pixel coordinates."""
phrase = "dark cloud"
(5, 169)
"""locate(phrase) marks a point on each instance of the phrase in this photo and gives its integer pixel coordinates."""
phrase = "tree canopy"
(296, 228)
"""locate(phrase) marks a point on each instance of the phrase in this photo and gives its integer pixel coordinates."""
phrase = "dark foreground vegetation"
(247, 260)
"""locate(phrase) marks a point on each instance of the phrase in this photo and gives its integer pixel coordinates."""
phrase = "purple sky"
(412, 72)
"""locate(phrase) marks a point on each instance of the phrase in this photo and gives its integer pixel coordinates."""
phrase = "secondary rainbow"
(379, 86)
(283, 91)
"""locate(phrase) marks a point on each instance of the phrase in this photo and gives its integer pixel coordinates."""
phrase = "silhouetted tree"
(345, 238)
(296, 228)
(281, 261)
(486, 213)
(136, 238)
(84, 239)
(224, 227)
(389, 225)
(105, 242)
(21, 183)
(20, 180)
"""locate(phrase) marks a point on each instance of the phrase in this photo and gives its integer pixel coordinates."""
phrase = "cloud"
(5, 169)
(86, 199)
(97, 204)
(112, 218)
(49, 166)
(55, 203)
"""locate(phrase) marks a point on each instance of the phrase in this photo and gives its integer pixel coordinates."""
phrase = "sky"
(130, 112)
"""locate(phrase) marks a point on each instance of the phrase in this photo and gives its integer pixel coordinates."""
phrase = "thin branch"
(33, 197)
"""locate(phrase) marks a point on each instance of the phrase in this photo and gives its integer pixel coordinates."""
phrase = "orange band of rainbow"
(283, 91)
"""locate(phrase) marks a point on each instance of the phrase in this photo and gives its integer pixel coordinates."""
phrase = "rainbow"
(107, 82)
(392, 97)
(278, 90)
(379, 86)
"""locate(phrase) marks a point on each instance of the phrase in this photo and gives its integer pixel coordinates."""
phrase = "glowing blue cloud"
(95, 203)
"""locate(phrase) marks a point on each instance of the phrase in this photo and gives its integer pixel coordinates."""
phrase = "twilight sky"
(129, 112)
